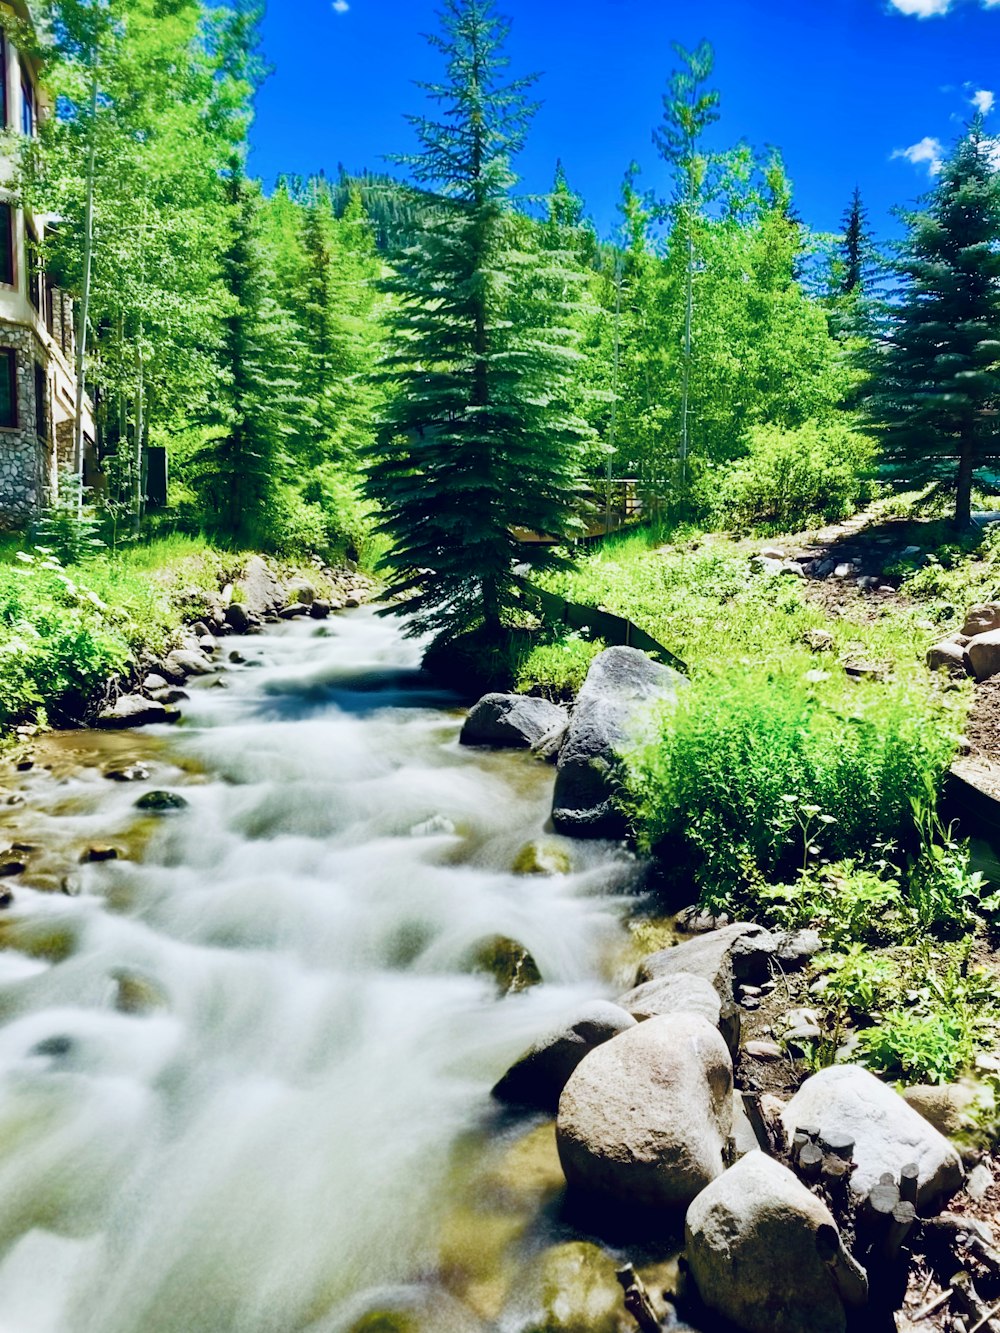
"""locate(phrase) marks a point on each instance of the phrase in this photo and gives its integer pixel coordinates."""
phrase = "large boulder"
(300, 591)
(645, 1119)
(132, 710)
(621, 684)
(983, 654)
(765, 1253)
(949, 1107)
(511, 721)
(888, 1134)
(539, 1076)
(258, 591)
(741, 952)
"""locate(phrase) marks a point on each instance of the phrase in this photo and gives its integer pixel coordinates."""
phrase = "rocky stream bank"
(665, 1155)
(812, 1199)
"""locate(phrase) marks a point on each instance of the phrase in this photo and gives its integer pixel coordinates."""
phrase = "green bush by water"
(722, 791)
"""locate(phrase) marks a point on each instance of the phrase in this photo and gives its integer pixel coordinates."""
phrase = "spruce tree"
(938, 385)
(479, 437)
(857, 249)
(237, 472)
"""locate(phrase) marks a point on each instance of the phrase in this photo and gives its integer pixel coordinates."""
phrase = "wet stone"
(98, 854)
(134, 773)
(161, 802)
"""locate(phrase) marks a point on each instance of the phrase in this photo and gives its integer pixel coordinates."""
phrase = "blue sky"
(844, 87)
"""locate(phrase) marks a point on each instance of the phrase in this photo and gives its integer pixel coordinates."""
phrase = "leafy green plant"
(859, 977)
(946, 894)
(558, 669)
(742, 755)
(790, 478)
(846, 901)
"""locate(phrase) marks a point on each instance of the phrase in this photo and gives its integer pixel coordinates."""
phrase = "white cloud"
(925, 9)
(928, 151)
(340, 6)
(984, 101)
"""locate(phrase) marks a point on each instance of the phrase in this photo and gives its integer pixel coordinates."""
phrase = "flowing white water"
(277, 1137)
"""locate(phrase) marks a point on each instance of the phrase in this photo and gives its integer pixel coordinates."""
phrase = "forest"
(700, 514)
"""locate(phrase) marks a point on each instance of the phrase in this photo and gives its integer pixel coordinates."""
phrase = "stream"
(290, 1116)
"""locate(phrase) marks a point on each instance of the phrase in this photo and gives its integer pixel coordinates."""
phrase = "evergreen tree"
(478, 437)
(938, 386)
(238, 470)
(857, 249)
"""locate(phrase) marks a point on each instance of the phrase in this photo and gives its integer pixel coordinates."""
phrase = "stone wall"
(25, 462)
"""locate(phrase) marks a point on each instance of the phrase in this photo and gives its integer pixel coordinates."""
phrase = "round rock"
(645, 1118)
(759, 1250)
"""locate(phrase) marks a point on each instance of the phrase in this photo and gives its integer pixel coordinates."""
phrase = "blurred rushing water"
(276, 1131)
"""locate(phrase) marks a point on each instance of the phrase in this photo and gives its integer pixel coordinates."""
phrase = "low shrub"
(790, 478)
(759, 773)
(557, 669)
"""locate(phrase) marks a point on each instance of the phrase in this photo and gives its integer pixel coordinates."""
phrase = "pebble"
(9, 868)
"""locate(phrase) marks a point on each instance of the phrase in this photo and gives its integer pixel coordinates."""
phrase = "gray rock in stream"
(622, 684)
(539, 1076)
(645, 1118)
(132, 710)
(511, 721)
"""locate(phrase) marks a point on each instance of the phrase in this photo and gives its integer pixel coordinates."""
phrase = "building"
(37, 341)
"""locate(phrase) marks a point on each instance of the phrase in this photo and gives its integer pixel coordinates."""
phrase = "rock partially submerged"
(539, 1076)
(161, 802)
(645, 1119)
(621, 685)
(509, 964)
(511, 721)
(887, 1133)
(765, 1253)
(133, 710)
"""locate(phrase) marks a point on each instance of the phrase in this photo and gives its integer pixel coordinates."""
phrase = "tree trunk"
(140, 428)
(84, 309)
(963, 497)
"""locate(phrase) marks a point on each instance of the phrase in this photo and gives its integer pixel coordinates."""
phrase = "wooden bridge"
(605, 508)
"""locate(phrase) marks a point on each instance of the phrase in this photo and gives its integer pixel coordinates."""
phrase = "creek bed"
(293, 1109)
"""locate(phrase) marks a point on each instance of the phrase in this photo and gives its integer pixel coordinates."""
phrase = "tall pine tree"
(479, 436)
(938, 386)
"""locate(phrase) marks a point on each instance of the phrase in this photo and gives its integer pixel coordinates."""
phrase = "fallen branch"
(637, 1301)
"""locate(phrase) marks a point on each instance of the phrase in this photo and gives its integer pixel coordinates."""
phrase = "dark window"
(27, 106)
(34, 274)
(41, 402)
(6, 245)
(3, 81)
(50, 306)
(8, 386)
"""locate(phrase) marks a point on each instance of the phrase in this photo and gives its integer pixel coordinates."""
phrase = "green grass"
(64, 631)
